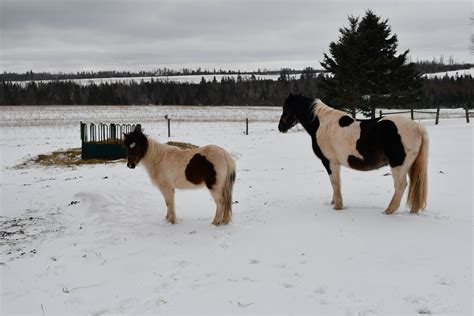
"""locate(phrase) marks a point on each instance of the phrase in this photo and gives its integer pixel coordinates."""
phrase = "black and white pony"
(173, 168)
(338, 139)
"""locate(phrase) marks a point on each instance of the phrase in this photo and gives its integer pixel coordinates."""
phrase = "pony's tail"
(418, 173)
(228, 188)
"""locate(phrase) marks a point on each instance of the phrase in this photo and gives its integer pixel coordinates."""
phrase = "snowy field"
(219, 77)
(452, 73)
(94, 240)
(187, 78)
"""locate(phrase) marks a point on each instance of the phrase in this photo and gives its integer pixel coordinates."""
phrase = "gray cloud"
(247, 34)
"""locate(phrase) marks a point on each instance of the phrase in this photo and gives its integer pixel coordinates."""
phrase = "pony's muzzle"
(131, 165)
(282, 128)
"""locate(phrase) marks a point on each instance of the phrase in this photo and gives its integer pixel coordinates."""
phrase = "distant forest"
(440, 66)
(436, 65)
(446, 92)
(30, 75)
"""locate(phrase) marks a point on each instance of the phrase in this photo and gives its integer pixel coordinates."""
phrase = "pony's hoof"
(217, 223)
(171, 220)
(338, 206)
(388, 212)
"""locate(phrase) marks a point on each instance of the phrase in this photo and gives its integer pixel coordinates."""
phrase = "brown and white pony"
(173, 168)
(338, 139)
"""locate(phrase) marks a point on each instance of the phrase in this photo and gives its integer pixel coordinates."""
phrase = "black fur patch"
(316, 149)
(199, 170)
(303, 109)
(379, 143)
(345, 120)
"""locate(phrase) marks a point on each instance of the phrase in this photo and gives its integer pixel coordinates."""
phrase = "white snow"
(219, 77)
(184, 78)
(452, 73)
(94, 240)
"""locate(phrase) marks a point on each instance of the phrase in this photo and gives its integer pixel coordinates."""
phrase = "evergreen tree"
(365, 70)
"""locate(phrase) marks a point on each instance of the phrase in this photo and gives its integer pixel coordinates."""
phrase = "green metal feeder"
(104, 141)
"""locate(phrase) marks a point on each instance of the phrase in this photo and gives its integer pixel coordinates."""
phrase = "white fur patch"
(132, 145)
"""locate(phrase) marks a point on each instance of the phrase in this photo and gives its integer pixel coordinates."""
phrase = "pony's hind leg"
(336, 186)
(400, 183)
(218, 198)
(227, 215)
(227, 201)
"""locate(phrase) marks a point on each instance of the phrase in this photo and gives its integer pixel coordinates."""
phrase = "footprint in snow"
(280, 266)
(320, 290)
(423, 311)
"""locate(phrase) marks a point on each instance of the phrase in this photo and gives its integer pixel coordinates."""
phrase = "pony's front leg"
(168, 194)
(335, 178)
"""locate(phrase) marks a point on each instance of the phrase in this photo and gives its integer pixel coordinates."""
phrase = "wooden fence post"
(247, 126)
(467, 114)
(437, 116)
(411, 114)
(169, 127)
(380, 113)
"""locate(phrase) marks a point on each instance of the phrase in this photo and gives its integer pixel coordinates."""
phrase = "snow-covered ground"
(453, 73)
(93, 239)
(187, 78)
(219, 77)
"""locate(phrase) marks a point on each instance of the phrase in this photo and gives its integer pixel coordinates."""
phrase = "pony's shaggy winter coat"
(171, 168)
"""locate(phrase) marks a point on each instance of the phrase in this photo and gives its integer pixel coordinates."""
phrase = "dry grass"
(182, 145)
(72, 158)
(63, 158)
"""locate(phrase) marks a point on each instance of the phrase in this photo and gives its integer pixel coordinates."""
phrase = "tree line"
(436, 65)
(30, 75)
(446, 91)
(440, 65)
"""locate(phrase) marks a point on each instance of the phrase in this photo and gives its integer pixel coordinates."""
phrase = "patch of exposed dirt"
(20, 236)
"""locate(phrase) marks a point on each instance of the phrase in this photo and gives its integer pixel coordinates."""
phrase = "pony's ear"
(290, 95)
(125, 135)
(138, 128)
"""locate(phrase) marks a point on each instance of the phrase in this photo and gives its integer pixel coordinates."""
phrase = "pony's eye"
(132, 145)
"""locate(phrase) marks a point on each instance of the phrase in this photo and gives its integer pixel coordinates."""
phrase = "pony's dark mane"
(304, 108)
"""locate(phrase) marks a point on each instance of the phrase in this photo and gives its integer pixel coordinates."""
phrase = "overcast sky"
(69, 35)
